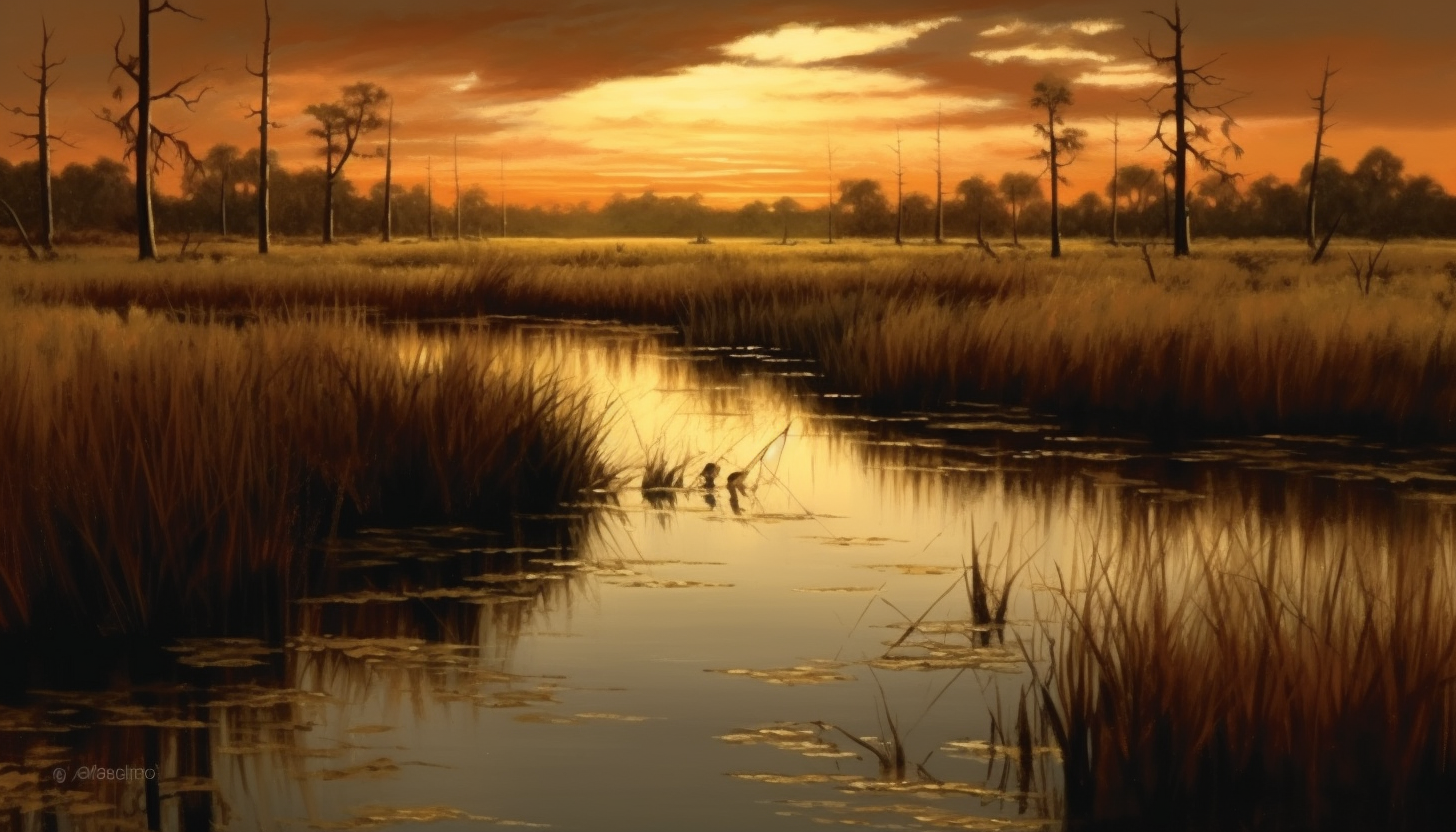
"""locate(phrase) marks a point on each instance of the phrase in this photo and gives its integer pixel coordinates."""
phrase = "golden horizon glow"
(744, 108)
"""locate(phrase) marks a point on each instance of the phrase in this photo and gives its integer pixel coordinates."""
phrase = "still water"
(687, 658)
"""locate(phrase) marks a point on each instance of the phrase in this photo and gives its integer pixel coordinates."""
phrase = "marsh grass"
(164, 474)
(1260, 682)
(1242, 338)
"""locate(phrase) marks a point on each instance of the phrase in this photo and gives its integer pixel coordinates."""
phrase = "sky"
(742, 99)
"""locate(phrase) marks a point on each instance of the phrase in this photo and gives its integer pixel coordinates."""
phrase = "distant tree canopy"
(1375, 199)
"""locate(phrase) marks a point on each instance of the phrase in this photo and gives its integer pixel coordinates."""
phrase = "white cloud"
(1090, 26)
(1122, 76)
(1003, 29)
(466, 83)
(1037, 54)
(1094, 27)
(796, 43)
(733, 99)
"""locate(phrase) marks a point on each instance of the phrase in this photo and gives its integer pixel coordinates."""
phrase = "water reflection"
(824, 623)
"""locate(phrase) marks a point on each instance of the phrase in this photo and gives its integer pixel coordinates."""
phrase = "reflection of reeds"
(156, 470)
(1258, 685)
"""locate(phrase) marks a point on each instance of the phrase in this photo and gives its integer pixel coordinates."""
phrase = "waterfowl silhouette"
(710, 473)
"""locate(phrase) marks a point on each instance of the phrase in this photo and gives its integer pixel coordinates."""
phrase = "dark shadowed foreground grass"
(1242, 338)
(163, 474)
(1260, 683)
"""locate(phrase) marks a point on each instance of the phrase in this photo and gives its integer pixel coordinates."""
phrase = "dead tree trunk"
(263, 126)
(142, 143)
(330, 171)
(1186, 80)
(503, 195)
(1322, 107)
(135, 124)
(1180, 136)
(387, 223)
(42, 137)
(458, 217)
(899, 191)
(829, 205)
(1115, 124)
(939, 186)
(429, 197)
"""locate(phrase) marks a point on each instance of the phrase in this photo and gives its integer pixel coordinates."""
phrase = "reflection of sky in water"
(591, 706)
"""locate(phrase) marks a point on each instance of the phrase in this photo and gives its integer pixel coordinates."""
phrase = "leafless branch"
(168, 7)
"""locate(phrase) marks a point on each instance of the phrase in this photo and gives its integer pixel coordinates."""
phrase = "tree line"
(230, 191)
(1374, 199)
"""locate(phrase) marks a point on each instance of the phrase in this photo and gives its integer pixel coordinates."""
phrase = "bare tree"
(939, 185)
(1321, 106)
(42, 137)
(221, 159)
(829, 206)
(145, 140)
(341, 123)
(430, 197)
(457, 189)
(264, 125)
(899, 190)
(1191, 137)
(503, 194)
(387, 223)
(1053, 95)
(1116, 123)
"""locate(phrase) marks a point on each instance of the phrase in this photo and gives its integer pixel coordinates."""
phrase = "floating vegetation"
(832, 540)
(669, 584)
(789, 736)
(795, 779)
(374, 817)
(819, 673)
(941, 655)
(222, 652)
(915, 568)
(837, 589)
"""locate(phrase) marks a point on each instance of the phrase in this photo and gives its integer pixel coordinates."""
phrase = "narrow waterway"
(693, 657)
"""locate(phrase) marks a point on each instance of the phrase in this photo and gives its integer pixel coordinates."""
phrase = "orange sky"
(737, 100)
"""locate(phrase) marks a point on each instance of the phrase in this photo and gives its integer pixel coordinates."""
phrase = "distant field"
(1243, 337)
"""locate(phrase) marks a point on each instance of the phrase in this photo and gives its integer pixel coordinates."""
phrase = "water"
(685, 659)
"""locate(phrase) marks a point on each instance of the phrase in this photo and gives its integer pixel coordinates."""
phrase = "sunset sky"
(735, 100)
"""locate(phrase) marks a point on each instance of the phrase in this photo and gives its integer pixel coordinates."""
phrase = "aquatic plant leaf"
(813, 674)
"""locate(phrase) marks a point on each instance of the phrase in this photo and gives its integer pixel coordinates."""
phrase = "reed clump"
(1258, 683)
(164, 474)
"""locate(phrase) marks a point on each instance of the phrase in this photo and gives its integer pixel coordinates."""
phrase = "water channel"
(692, 658)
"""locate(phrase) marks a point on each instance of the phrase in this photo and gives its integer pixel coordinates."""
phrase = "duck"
(710, 473)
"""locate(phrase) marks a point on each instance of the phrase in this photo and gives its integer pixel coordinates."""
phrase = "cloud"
(466, 83)
(735, 99)
(1037, 54)
(795, 43)
(1094, 27)
(1122, 76)
(1091, 26)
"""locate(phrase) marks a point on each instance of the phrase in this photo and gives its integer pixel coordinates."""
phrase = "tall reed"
(160, 473)
(1259, 682)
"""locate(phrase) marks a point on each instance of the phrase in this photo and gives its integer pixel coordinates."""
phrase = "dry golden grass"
(1262, 682)
(1240, 338)
(160, 473)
